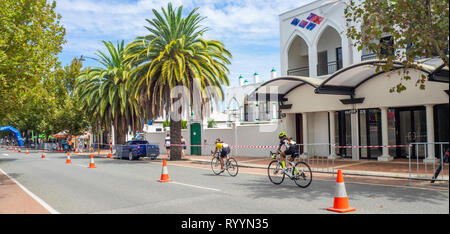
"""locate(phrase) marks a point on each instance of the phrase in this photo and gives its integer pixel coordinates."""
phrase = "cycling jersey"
(287, 143)
(291, 147)
(221, 145)
(224, 149)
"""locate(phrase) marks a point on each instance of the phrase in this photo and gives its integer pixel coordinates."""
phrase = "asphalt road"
(131, 187)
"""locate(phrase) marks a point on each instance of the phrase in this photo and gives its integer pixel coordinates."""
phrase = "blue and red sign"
(312, 21)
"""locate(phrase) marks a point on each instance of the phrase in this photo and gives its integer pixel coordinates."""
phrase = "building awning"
(281, 86)
(345, 80)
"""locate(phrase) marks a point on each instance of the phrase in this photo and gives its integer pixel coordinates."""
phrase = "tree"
(174, 54)
(416, 29)
(50, 106)
(31, 35)
(104, 94)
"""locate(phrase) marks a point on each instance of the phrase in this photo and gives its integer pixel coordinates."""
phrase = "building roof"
(283, 85)
(347, 79)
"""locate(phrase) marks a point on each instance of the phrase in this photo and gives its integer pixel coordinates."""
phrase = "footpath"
(16, 200)
(395, 173)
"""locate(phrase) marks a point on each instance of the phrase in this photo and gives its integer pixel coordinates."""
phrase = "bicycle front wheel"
(302, 174)
(215, 165)
(232, 167)
(275, 172)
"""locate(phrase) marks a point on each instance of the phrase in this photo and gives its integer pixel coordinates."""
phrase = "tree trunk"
(120, 135)
(175, 139)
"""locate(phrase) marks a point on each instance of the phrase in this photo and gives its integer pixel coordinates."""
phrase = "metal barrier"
(316, 157)
(427, 168)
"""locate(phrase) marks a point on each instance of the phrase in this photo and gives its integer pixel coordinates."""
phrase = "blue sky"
(249, 28)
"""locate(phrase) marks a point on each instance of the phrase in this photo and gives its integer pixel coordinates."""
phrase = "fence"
(422, 167)
(317, 157)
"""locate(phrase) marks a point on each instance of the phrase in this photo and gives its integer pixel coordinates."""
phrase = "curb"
(347, 172)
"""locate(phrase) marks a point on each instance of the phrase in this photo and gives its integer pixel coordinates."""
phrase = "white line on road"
(6, 154)
(40, 201)
(195, 186)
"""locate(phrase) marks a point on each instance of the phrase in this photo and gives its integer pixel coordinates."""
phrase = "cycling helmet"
(218, 140)
(282, 134)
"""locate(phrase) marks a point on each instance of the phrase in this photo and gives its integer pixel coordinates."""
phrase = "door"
(344, 133)
(196, 139)
(370, 132)
(441, 127)
(411, 127)
(322, 63)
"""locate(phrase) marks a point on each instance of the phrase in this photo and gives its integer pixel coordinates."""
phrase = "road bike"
(299, 172)
(230, 165)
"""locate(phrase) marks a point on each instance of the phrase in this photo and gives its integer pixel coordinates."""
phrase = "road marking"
(196, 186)
(6, 154)
(40, 201)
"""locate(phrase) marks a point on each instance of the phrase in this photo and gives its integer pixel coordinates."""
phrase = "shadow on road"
(320, 189)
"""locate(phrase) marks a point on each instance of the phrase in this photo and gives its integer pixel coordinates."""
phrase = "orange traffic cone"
(340, 198)
(164, 173)
(110, 150)
(15, 149)
(43, 154)
(76, 150)
(92, 164)
(68, 158)
(26, 151)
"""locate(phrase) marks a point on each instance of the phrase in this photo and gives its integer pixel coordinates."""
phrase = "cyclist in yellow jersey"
(224, 151)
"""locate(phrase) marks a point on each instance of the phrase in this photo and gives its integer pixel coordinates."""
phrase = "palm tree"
(104, 95)
(174, 54)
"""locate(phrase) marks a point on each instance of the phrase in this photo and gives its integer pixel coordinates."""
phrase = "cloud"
(249, 28)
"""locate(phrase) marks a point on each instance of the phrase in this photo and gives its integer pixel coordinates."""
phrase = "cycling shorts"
(225, 151)
(292, 151)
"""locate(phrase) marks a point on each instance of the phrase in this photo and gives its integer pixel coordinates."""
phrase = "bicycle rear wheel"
(215, 165)
(275, 172)
(302, 174)
(232, 167)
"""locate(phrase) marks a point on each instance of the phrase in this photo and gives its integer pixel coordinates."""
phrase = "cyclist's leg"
(293, 156)
(282, 157)
(284, 154)
(221, 156)
(226, 154)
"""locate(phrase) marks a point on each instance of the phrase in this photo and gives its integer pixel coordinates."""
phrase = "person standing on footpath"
(167, 144)
(183, 144)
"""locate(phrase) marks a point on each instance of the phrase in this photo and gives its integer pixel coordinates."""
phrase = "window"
(387, 46)
(339, 58)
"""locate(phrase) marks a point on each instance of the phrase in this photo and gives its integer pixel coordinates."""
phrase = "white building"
(240, 108)
(331, 93)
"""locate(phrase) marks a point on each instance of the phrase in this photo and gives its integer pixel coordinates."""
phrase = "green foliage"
(31, 35)
(104, 94)
(50, 106)
(212, 123)
(183, 124)
(175, 54)
(420, 26)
